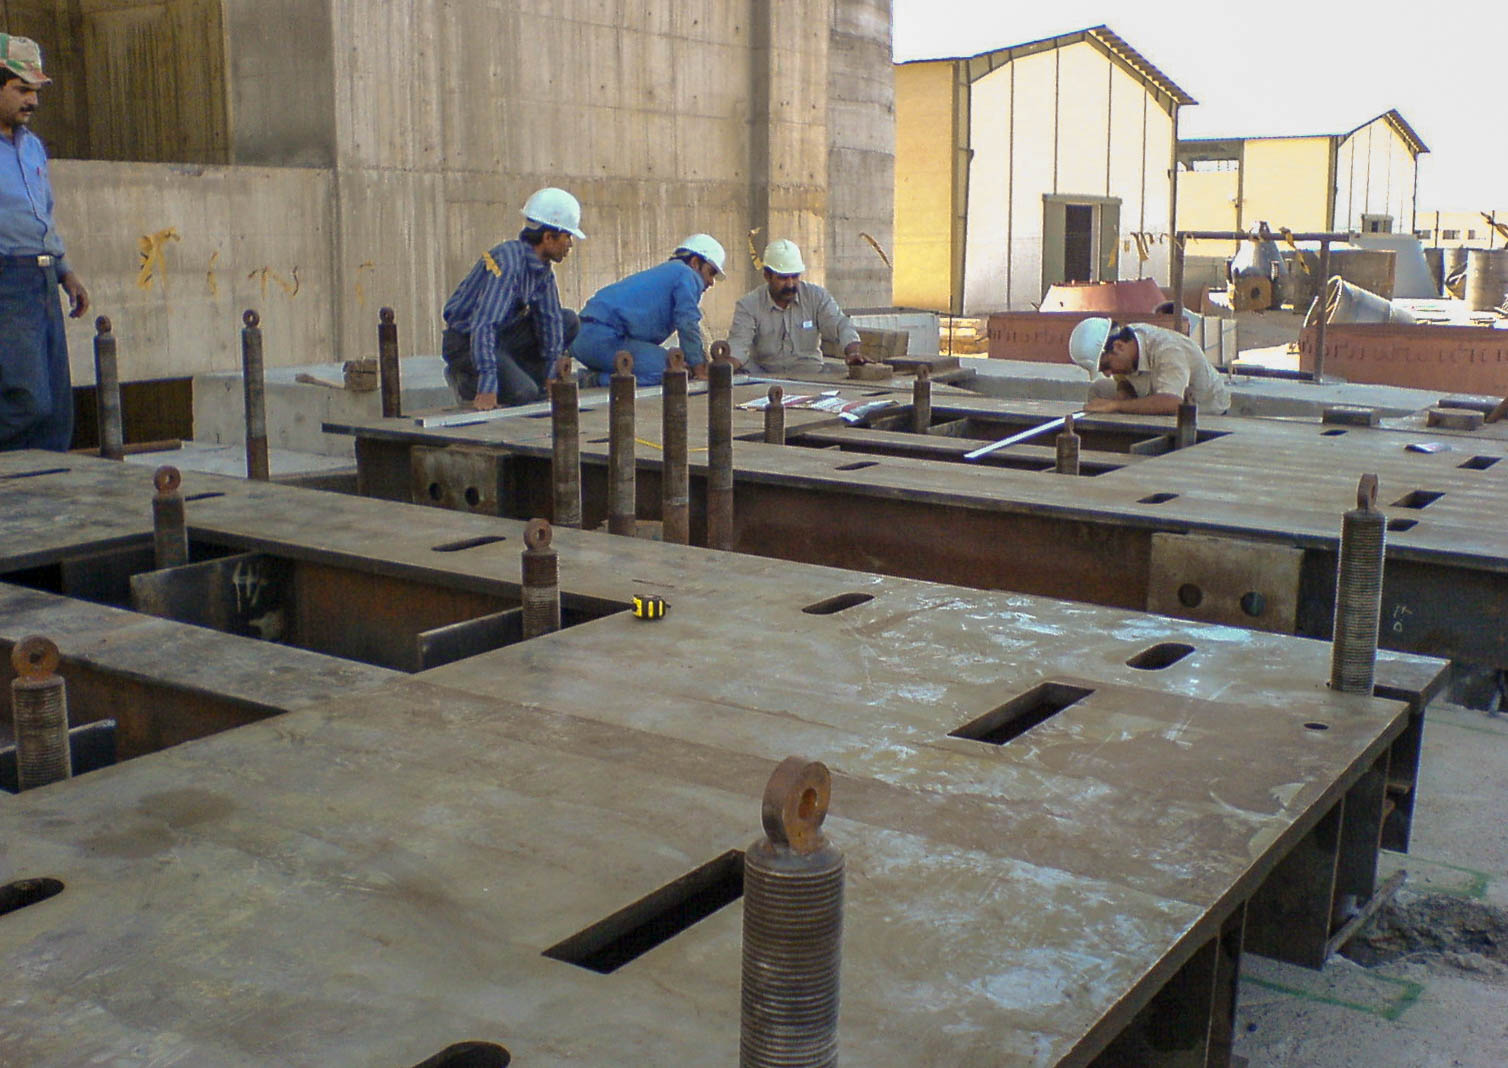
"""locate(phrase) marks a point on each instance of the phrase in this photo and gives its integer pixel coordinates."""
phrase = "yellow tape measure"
(649, 607)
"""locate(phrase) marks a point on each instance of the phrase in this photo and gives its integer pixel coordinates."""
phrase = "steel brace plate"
(1220, 580)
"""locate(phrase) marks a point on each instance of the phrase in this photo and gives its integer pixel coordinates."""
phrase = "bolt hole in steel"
(807, 808)
(1157, 498)
(469, 543)
(469, 1055)
(858, 466)
(1402, 524)
(435, 492)
(1162, 655)
(1331, 433)
(1479, 463)
(23, 892)
(473, 497)
(1190, 595)
(840, 603)
(1316, 726)
(1253, 603)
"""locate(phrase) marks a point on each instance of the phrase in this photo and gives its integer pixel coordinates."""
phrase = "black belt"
(42, 260)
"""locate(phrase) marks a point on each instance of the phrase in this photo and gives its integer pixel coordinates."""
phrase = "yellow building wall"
(1285, 181)
(1207, 200)
(923, 257)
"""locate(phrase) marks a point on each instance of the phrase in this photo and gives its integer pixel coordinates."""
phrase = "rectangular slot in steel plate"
(629, 933)
(1021, 714)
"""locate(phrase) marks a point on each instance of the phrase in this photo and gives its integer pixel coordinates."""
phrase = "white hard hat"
(783, 257)
(706, 246)
(1087, 343)
(555, 208)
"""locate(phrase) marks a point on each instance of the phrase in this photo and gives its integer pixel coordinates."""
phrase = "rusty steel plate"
(1217, 580)
(461, 479)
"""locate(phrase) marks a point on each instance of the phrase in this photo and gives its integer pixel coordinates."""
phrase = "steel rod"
(720, 453)
(622, 491)
(107, 392)
(675, 480)
(389, 379)
(253, 389)
(565, 457)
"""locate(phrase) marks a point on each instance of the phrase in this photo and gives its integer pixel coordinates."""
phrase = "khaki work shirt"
(1170, 362)
(774, 340)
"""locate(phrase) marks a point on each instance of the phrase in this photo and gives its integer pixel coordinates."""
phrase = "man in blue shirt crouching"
(639, 313)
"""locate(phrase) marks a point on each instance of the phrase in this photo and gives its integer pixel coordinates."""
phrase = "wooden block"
(883, 344)
(870, 372)
(360, 375)
(1454, 418)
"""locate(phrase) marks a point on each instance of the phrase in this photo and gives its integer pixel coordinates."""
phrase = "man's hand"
(852, 355)
(698, 373)
(1102, 404)
(78, 296)
(484, 402)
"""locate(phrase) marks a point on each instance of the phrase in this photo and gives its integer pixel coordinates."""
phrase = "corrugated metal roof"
(1392, 117)
(1102, 36)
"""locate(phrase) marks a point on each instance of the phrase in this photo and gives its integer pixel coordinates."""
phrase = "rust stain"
(153, 265)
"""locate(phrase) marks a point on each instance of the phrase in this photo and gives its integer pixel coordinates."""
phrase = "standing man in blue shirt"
(639, 313)
(504, 326)
(36, 392)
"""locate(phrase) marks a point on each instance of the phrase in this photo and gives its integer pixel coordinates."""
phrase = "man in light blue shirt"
(638, 314)
(36, 392)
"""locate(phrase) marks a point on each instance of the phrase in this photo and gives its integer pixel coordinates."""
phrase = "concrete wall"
(1374, 175)
(246, 237)
(397, 157)
(1062, 126)
(924, 151)
(861, 153)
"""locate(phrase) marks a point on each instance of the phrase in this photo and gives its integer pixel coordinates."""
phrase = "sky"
(1285, 67)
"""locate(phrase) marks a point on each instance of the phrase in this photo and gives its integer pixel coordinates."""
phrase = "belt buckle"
(45, 261)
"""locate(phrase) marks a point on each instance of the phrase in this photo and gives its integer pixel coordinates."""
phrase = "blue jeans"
(521, 370)
(36, 393)
(598, 345)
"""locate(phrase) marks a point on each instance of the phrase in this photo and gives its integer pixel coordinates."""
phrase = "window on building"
(1210, 166)
(1450, 235)
(1423, 235)
(1377, 224)
(1471, 235)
